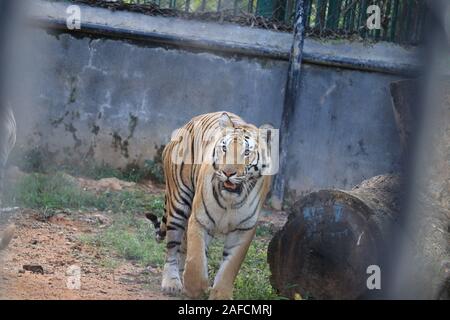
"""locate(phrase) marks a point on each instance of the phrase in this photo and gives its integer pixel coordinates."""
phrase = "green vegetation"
(60, 191)
(252, 282)
(131, 236)
(40, 161)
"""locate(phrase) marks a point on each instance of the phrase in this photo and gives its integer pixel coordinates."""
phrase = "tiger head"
(241, 154)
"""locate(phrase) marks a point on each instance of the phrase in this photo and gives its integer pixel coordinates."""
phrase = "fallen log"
(332, 237)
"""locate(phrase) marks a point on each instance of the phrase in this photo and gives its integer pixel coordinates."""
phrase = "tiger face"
(237, 158)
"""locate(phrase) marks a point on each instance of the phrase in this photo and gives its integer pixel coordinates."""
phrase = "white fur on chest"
(231, 218)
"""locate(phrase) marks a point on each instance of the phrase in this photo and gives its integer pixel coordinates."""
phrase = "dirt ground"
(50, 248)
(54, 245)
(37, 263)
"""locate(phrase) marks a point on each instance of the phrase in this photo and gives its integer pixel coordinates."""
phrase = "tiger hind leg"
(175, 234)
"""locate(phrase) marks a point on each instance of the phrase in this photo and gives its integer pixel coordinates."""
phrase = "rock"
(33, 268)
(14, 174)
(102, 219)
(111, 184)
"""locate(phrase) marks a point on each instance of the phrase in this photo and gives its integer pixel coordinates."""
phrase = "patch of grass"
(50, 192)
(131, 238)
(131, 173)
(131, 201)
(264, 230)
(39, 160)
(154, 170)
(252, 281)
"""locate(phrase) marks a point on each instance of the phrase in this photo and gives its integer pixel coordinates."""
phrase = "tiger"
(217, 187)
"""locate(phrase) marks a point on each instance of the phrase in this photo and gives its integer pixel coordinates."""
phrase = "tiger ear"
(225, 121)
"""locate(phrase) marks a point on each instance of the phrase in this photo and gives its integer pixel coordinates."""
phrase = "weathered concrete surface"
(118, 102)
(345, 130)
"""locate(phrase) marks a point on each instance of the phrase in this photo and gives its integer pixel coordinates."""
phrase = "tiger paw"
(218, 294)
(197, 289)
(171, 286)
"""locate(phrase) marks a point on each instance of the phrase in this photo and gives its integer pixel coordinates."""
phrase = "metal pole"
(290, 100)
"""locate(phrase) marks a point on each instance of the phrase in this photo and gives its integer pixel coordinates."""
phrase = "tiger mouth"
(231, 187)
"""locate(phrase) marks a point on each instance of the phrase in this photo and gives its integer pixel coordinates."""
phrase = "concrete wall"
(344, 129)
(117, 100)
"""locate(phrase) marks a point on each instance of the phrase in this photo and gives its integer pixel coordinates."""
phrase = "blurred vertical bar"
(279, 9)
(264, 8)
(288, 10)
(250, 6)
(308, 12)
(395, 9)
(321, 14)
(377, 32)
(235, 7)
(421, 22)
(334, 12)
(388, 20)
(407, 21)
(345, 15)
(362, 18)
(351, 18)
(293, 85)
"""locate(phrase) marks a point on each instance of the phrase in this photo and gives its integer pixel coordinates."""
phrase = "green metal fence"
(401, 20)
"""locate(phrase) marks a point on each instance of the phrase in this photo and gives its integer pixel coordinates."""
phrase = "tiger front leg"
(195, 276)
(235, 250)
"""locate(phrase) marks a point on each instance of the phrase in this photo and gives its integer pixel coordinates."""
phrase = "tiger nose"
(229, 172)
